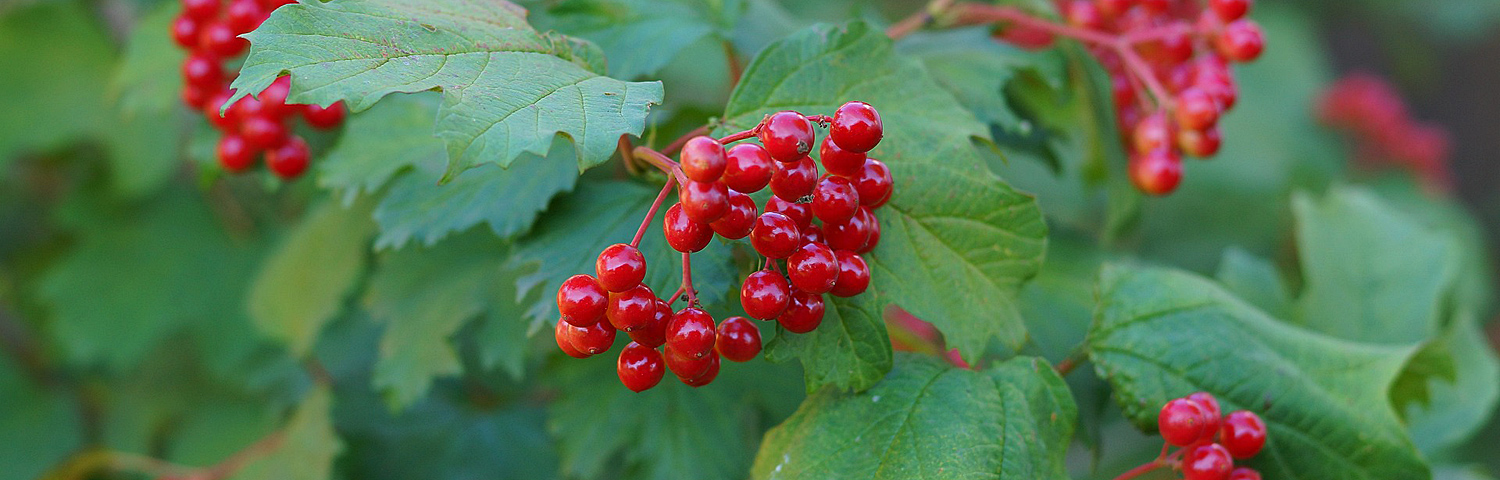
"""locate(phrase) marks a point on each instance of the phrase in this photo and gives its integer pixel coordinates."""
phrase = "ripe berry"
(562, 334)
(803, 313)
(654, 333)
(593, 339)
(620, 267)
(813, 269)
(324, 118)
(245, 107)
(1084, 14)
(765, 294)
(1152, 133)
(703, 201)
(235, 154)
(1113, 8)
(195, 97)
(748, 168)
(874, 238)
(787, 136)
(686, 366)
(856, 127)
(202, 71)
(640, 367)
(244, 15)
(1196, 110)
(1181, 422)
(707, 376)
(834, 199)
(185, 31)
(838, 161)
(854, 275)
(1244, 473)
(631, 309)
(219, 39)
(795, 180)
(1200, 143)
(225, 123)
(1210, 407)
(775, 236)
(581, 300)
(703, 159)
(873, 183)
(738, 339)
(1240, 41)
(200, 9)
(800, 213)
(1229, 10)
(1206, 462)
(691, 332)
(739, 221)
(850, 235)
(1243, 434)
(289, 159)
(1155, 6)
(273, 98)
(813, 234)
(262, 131)
(1157, 172)
(685, 234)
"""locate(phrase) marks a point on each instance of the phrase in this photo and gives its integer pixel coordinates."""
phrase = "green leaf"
(930, 420)
(507, 89)
(39, 427)
(639, 37)
(957, 242)
(307, 447)
(849, 350)
(144, 136)
(304, 282)
(1255, 281)
(1459, 406)
(57, 60)
(381, 142)
(1161, 334)
(975, 68)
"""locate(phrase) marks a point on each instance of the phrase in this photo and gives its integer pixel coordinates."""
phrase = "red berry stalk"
(1209, 441)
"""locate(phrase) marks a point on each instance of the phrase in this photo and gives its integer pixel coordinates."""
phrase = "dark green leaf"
(849, 350)
(639, 37)
(380, 142)
(56, 67)
(1255, 281)
(145, 135)
(39, 427)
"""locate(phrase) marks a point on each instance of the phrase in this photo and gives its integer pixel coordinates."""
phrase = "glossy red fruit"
(765, 294)
(1196, 110)
(1113, 8)
(787, 136)
(686, 366)
(289, 159)
(850, 235)
(1206, 462)
(795, 180)
(1200, 143)
(263, 131)
(1154, 6)
(632, 308)
(1152, 133)
(738, 339)
(703, 159)
(775, 235)
(813, 234)
(200, 9)
(748, 168)
(1244, 473)
(593, 339)
(245, 107)
(685, 234)
(654, 333)
(800, 213)
(813, 268)
(185, 31)
(195, 97)
(803, 313)
(1182, 422)
(707, 376)
(873, 183)
(1240, 41)
(273, 98)
(203, 71)
(740, 219)
(835, 200)
(703, 201)
(225, 123)
(324, 118)
(640, 367)
(218, 38)
(691, 332)
(1211, 414)
(838, 161)
(562, 332)
(1229, 10)
(874, 239)
(1084, 14)
(856, 127)
(854, 275)
(620, 267)
(235, 154)
(581, 300)
(1243, 434)
(243, 16)
(1157, 172)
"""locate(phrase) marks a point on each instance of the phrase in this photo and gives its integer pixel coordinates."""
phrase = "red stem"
(687, 280)
(650, 214)
(737, 136)
(680, 141)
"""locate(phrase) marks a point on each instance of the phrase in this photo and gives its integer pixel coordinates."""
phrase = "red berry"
(235, 154)
(1243, 434)
(800, 213)
(874, 238)
(1196, 110)
(224, 123)
(1210, 407)
(620, 267)
(739, 221)
(1123, 91)
(1154, 6)
(813, 269)
(703, 201)
(244, 15)
(200, 9)
(632, 308)
(687, 366)
(703, 159)
(813, 234)
(593, 339)
(202, 71)
(838, 161)
(787, 136)
(873, 183)
(738, 339)
(262, 131)
(581, 300)
(640, 367)
(1206, 462)
(803, 313)
(245, 107)
(654, 333)
(1084, 14)
(273, 98)
(1113, 8)
(1157, 172)
(856, 127)
(765, 294)
(775, 235)
(1229, 10)
(273, 4)
(562, 332)
(691, 332)
(1182, 422)
(1200, 143)
(221, 40)
(707, 376)
(324, 118)
(1240, 41)
(685, 234)
(854, 275)
(795, 180)
(1244, 473)
(289, 159)
(835, 199)
(195, 97)
(1152, 133)
(748, 168)
(185, 31)
(850, 235)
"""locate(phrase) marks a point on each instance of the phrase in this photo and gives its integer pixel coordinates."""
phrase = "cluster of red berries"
(1371, 111)
(1211, 442)
(713, 198)
(209, 30)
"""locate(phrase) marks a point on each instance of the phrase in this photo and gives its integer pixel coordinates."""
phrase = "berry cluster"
(1371, 111)
(209, 30)
(1211, 441)
(812, 231)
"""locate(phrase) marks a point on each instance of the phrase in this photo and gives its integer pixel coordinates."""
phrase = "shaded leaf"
(1458, 406)
(1255, 281)
(639, 37)
(57, 59)
(381, 142)
(306, 448)
(38, 427)
(304, 283)
(849, 350)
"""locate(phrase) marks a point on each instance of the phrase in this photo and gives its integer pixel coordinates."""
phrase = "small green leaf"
(304, 283)
(307, 445)
(145, 135)
(379, 143)
(849, 350)
(929, 420)
(1461, 405)
(641, 36)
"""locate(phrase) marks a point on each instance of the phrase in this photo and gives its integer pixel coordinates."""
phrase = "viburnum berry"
(1211, 414)
(686, 366)
(685, 234)
(1240, 41)
(873, 183)
(1244, 473)
(235, 154)
(691, 332)
(185, 31)
(703, 159)
(592, 339)
(703, 201)
(813, 268)
(562, 332)
(195, 97)
(748, 168)
(1229, 10)
(1083, 14)
(1157, 172)
(803, 313)
(1243, 434)
(226, 122)
(1200, 143)
(874, 239)
(640, 367)
(794, 180)
(620, 267)
(200, 9)
(787, 136)
(1155, 6)
(262, 131)
(289, 159)
(1206, 462)
(856, 127)
(243, 16)
(835, 199)
(838, 161)
(813, 234)
(632, 308)
(273, 98)
(203, 71)
(1152, 133)
(775, 236)
(854, 275)
(800, 213)
(850, 235)
(739, 221)
(1196, 110)
(738, 339)
(581, 300)
(654, 333)
(707, 376)
(765, 294)
(220, 39)
(324, 118)
(1182, 422)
